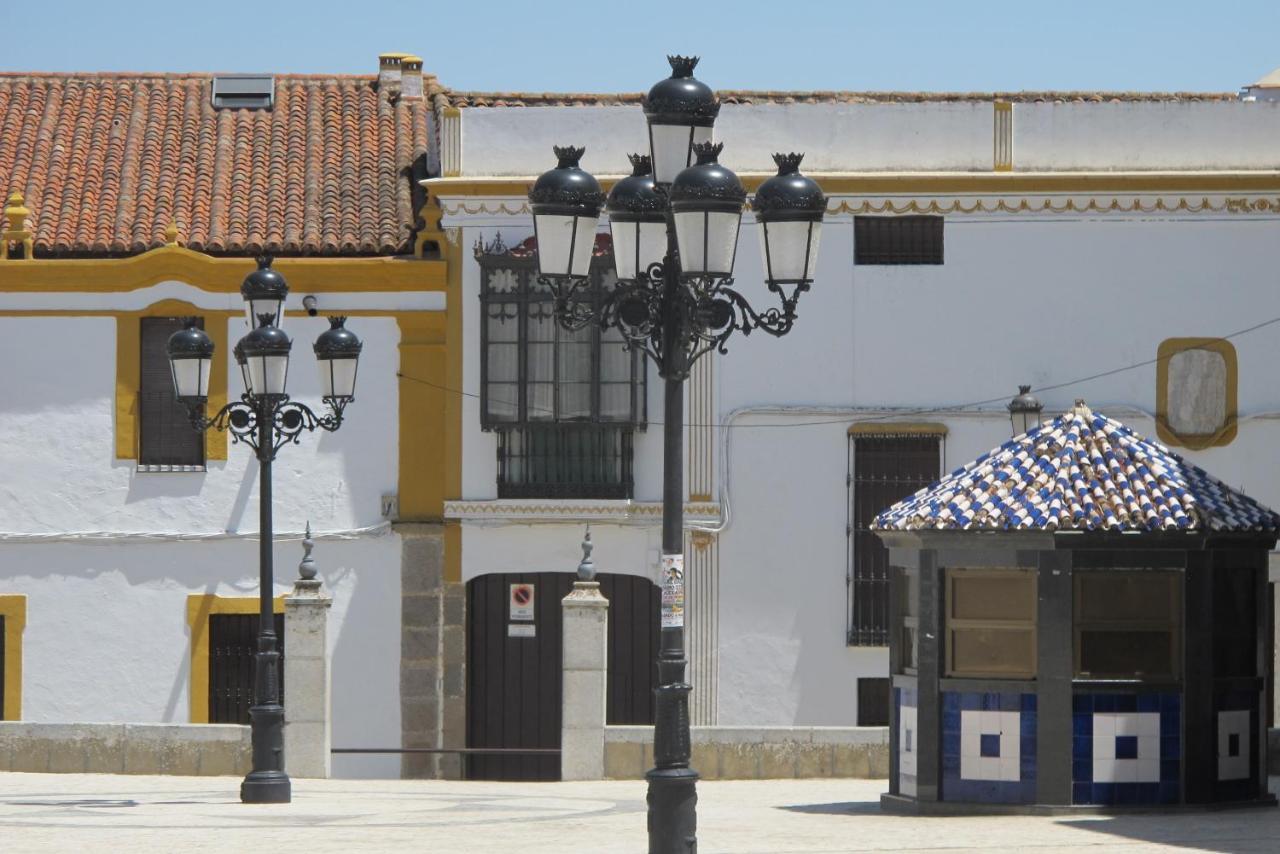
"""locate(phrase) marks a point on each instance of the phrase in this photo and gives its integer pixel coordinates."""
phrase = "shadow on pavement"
(1244, 831)
(841, 808)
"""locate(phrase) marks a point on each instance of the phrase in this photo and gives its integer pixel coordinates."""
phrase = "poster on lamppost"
(673, 591)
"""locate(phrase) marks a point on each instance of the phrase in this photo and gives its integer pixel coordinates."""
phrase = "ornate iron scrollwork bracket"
(245, 419)
(705, 312)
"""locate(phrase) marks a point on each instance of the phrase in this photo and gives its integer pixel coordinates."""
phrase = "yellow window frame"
(129, 373)
(13, 607)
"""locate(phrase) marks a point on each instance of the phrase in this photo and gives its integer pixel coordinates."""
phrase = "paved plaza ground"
(138, 815)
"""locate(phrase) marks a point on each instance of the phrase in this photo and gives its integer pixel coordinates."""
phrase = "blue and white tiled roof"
(1080, 472)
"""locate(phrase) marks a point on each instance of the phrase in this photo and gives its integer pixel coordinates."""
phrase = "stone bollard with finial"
(585, 656)
(306, 671)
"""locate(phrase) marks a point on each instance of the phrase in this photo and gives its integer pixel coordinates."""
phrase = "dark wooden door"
(233, 644)
(514, 683)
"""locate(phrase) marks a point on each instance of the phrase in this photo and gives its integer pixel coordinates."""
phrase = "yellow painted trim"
(13, 608)
(881, 428)
(452, 552)
(1169, 348)
(200, 607)
(424, 400)
(222, 275)
(129, 373)
(882, 183)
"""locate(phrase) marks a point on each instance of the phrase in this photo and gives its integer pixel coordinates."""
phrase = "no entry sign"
(522, 601)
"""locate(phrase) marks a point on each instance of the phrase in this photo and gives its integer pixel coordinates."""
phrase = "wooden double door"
(514, 649)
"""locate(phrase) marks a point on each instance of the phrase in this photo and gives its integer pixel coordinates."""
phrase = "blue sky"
(616, 45)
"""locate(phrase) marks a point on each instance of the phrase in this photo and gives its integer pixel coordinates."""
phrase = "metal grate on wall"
(883, 469)
(886, 240)
(565, 461)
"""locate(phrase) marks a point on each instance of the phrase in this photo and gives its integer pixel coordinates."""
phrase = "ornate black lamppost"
(265, 419)
(675, 234)
(1024, 411)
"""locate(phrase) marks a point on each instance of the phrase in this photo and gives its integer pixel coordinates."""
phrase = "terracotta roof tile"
(107, 161)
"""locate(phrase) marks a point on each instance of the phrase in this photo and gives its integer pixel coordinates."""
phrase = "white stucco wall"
(925, 136)
(106, 637)
(1021, 298)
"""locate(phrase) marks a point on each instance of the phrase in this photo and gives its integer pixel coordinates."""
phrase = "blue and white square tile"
(1233, 744)
(989, 746)
(1126, 747)
(908, 748)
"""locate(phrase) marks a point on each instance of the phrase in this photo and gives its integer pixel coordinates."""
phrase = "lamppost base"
(266, 787)
(673, 816)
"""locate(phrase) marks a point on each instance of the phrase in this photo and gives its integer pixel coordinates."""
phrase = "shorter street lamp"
(1024, 411)
(265, 419)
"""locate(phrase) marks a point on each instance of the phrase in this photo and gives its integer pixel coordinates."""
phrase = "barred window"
(897, 240)
(883, 469)
(564, 403)
(166, 439)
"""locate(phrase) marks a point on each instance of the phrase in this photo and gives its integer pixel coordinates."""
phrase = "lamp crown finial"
(682, 66)
(190, 322)
(1024, 389)
(707, 152)
(568, 155)
(640, 164)
(265, 319)
(788, 164)
(336, 321)
(265, 261)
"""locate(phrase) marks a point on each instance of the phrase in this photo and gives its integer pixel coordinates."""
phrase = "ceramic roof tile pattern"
(1080, 472)
(443, 97)
(107, 161)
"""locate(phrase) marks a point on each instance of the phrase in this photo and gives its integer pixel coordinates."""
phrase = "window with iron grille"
(233, 642)
(166, 440)
(873, 701)
(564, 404)
(883, 469)
(897, 240)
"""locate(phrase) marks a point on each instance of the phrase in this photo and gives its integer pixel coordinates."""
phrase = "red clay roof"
(107, 161)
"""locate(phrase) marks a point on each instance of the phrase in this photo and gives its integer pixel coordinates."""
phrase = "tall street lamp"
(265, 419)
(675, 223)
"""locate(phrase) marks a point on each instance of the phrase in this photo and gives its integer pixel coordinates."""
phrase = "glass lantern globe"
(681, 111)
(637, 221)
(789, 208)
(566, 203)
(264, 291)
(190, 353)
(338, 355)
(706, 203)
(1024, 411)
(266, 355)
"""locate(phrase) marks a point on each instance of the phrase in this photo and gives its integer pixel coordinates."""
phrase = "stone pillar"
(585, 655)
(306, 672)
